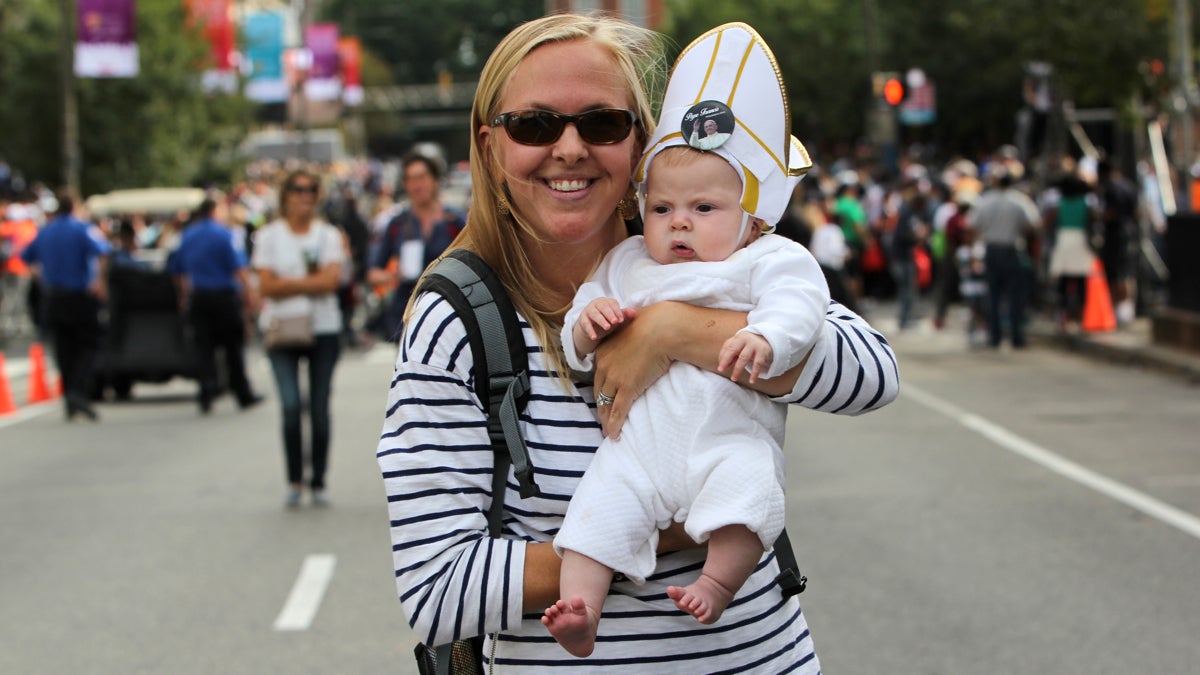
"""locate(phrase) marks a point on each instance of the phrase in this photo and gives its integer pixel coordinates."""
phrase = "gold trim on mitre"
(805, 163)
(749, 191)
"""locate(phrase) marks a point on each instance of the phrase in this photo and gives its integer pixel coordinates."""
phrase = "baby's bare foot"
(706, 599)
(573, 624)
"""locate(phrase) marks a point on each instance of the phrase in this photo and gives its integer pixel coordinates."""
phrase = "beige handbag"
(289, 332)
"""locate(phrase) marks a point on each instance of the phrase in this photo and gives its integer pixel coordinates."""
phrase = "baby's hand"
(745, 349)
(601, 317)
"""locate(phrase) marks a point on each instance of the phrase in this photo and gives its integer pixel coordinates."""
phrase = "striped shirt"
(455, 582)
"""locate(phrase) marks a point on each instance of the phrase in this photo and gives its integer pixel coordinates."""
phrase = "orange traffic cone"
(7, 407)
(39, 388)
(1098, 313)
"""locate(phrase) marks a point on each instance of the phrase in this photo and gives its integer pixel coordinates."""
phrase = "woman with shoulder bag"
(298, 258)
(559, 122)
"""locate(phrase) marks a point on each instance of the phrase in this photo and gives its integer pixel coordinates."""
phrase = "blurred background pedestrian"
(413, 239)
(215, 291)
(298, 259)
(72, 265)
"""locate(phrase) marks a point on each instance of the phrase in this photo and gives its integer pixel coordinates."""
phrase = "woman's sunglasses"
(302, 189)
(604, 126)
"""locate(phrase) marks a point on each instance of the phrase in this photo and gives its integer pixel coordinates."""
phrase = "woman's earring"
(502, 206)
(628, 207)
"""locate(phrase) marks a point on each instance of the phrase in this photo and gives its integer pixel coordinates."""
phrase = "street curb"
(1161, 359)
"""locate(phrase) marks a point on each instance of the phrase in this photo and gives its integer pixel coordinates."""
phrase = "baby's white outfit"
(696, 448)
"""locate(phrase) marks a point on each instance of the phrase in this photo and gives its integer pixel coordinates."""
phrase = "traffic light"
(888, 87)
(893, 91)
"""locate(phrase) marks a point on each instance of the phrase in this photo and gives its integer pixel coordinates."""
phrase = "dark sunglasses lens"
(539, 127)
(534, 127)
(302, 189)
(603, 127)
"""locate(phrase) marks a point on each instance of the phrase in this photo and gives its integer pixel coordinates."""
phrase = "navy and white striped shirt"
(454, 581)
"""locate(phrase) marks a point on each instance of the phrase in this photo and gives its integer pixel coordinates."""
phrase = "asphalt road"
(1011, 512)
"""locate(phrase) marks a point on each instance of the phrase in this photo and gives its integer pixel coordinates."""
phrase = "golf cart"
(146, 337)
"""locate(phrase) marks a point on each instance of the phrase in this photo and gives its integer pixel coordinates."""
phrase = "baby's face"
(693, 210)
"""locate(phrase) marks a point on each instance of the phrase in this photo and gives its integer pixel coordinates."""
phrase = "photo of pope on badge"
(707, 125)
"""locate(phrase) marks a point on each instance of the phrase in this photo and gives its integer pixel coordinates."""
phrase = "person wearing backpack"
(560, 118)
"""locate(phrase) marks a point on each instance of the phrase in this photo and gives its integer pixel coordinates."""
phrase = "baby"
(697, 448)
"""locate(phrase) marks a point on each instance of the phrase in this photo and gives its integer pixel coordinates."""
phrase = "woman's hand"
(632, 358)
(629, 360)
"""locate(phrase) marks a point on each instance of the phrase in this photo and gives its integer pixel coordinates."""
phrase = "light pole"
(70, 120)
(1185, 96)
(303, 62)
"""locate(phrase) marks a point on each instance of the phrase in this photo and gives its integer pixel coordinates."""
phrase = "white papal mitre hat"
(729, 76)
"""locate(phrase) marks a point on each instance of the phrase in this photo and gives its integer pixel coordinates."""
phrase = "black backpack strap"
(501, 375)
(790, 581)
(501, 362)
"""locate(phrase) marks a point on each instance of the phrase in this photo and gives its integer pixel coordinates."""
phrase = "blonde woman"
(559, 121)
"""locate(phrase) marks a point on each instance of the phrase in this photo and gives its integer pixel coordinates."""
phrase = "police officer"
(72, 266)
(215, 288)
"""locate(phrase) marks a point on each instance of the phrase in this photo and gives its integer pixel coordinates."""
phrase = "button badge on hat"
(707, 125)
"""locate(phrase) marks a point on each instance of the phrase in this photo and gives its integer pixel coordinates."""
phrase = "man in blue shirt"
(215, 287)
(72, 267)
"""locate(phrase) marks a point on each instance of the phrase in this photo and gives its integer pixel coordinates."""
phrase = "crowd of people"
(984, 234)
(337, 246)
(391, 214)
(913, 235)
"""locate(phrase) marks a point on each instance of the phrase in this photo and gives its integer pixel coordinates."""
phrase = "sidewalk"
(1131, 345)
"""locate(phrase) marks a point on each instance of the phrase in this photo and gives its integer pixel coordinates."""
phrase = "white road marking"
(1108, 487)
(305, 599)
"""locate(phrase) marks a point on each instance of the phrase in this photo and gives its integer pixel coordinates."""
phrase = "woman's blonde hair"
(640, 59)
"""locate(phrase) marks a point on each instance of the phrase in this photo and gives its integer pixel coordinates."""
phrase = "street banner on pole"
(213, 16)
(323, 82)
(920, 106)
(350, 54)
(106, 39)
(262, 35)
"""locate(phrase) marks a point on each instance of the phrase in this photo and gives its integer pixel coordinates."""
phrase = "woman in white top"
(299, 258)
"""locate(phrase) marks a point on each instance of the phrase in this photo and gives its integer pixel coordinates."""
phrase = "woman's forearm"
(631, 359)
(277, 288)
(542, 566)
(698, 334)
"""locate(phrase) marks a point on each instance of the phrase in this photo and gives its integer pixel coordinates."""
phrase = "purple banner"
(322, 41)
(106, 39)
(323, 82)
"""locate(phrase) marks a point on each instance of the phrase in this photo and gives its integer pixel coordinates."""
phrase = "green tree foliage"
(422, 38)
(159, 128)
(975, 51)
(30, 107)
